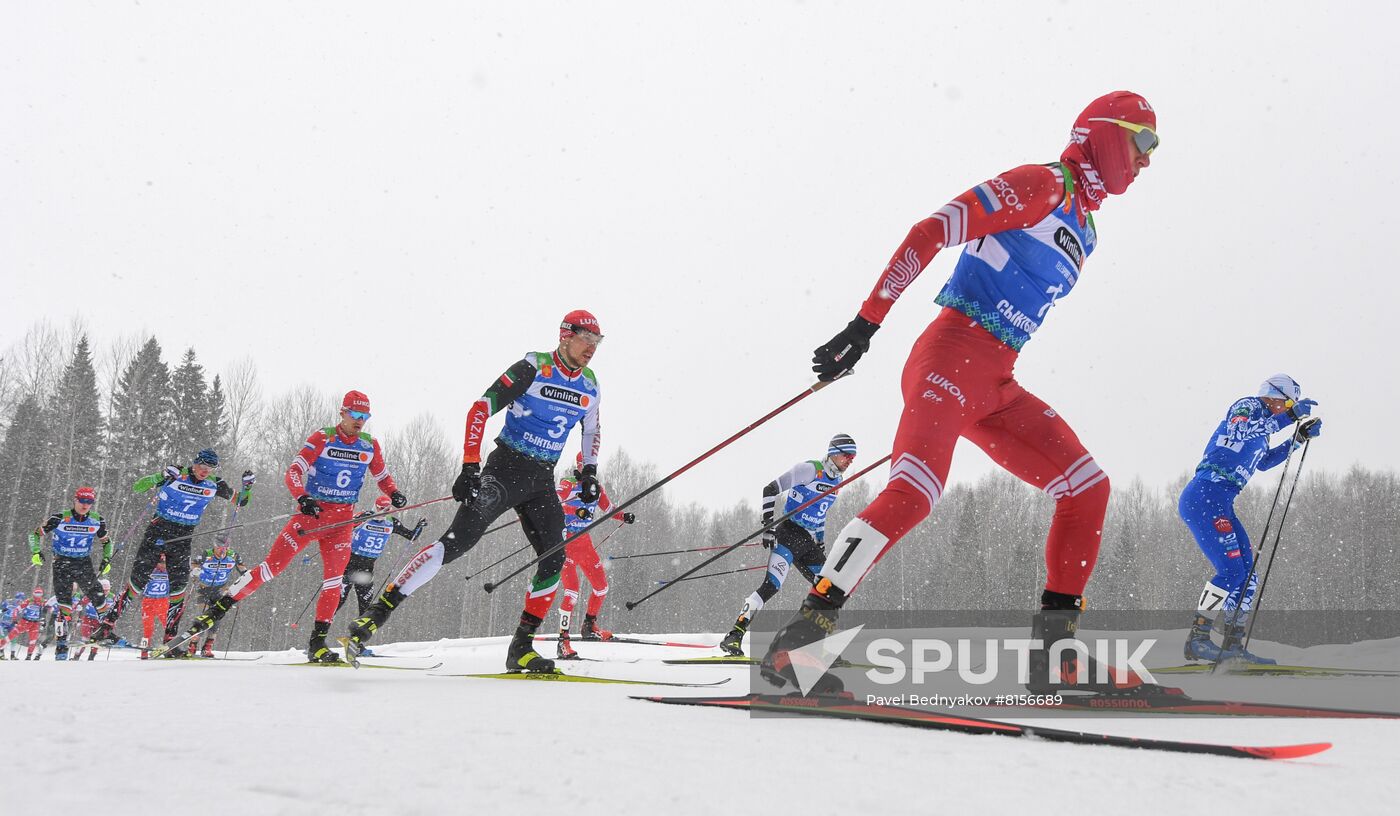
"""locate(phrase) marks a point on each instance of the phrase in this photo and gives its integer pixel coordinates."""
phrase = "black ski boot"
(522, 657)
(364, 627)
(1057, 620)
(733, 643)
(815, 620)
(317, 651)
(591, 631)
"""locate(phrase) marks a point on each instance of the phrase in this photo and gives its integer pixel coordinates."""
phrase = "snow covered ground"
(118, 736)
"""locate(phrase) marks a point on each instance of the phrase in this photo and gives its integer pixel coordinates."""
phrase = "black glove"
(769, 539)
(629, 518)
(418, 528)
(838, 357)
(222, 489)
(1309, 428)
(584, 513)
(588, 488)
(468, 484)
(398, 499)
(309, 506)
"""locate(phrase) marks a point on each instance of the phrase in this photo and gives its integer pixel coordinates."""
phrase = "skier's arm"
(380, 471)
(1277, 455)
(399, 529)
(36, 538)
(106, 542)
(800, 473)
(1016, 199)
(592, 433)
(295, 477)
(507, 388)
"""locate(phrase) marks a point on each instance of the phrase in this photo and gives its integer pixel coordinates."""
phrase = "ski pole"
(1232, 616)
(810, 390)
(713, 574)
(367, 516)
(674, 552)
(298, 618)
(756, 533)
(523, 549)
(125, 537)
(232, 628)
(1273, 551)
(228, 528)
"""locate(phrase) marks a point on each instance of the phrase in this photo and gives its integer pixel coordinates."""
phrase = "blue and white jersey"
(9, 611)
(158, 586)
(183, 501)
(804, 482)
(215, 570)
(73, 535)
(1008, 281)
(1240, 444)
(369, 537)
(539, 421)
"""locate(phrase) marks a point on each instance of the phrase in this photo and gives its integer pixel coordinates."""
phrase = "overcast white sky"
(404, 198)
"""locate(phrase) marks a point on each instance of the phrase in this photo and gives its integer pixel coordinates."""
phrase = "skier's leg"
(335, 554)
(505, 480)
(569, 582)
(592, 566)
(285, 547)
(542, 519)
(177, 563)
(779, 562)
(147, 554)
(1035, 444)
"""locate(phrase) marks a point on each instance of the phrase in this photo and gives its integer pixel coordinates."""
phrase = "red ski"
(849, 709)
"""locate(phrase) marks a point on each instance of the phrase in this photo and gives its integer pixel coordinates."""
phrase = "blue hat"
(207, 457)
(841, 444)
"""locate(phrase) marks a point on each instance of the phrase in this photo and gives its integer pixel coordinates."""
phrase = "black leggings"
(358, 567)
(69, 571)
(177, 564)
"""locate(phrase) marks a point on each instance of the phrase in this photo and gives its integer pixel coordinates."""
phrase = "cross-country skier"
(216, 567)
(90, 623)
(72, 534)
(185, 493)
(28, 622)
(1028, 232)
(325, 479)
(580, 554)
(798, 541)
(366, 546)
(546, 394)
(1238, 447)
(155, 605)
(9, 616)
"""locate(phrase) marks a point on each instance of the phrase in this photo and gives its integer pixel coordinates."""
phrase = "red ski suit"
(580, 554)
(959, 381)
(301, 530)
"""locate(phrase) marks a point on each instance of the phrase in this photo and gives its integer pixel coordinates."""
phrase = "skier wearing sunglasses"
(1027, 233)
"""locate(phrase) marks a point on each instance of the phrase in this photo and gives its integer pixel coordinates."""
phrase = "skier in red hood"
(1028, 232)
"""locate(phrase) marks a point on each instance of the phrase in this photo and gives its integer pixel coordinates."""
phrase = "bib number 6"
(342, 479)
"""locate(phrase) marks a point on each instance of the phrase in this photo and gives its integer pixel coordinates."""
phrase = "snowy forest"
(72, 415)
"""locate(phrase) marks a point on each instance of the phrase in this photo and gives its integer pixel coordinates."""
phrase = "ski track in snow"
(123, 736)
